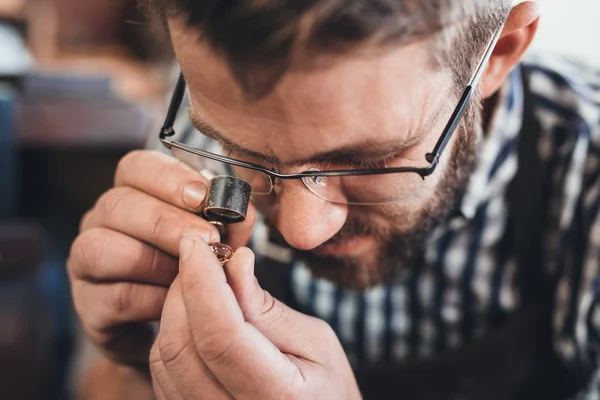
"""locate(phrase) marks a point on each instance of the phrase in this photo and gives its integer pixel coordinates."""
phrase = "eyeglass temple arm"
(176, 100)
(463, 103)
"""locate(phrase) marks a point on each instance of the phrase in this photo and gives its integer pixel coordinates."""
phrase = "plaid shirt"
(467, 284)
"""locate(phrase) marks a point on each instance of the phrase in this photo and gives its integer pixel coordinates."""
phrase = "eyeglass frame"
(432, 158)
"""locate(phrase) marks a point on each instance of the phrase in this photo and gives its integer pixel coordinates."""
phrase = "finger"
(174, 182)
(148, 219)
(163, 177)
(107, 304)
(84, 221)
(309, 341)
(178, 354)
(161, 382)
(105, 255)
(291, 331)
(157, 390)
(240, 357)
(112, 314)
(239, 234)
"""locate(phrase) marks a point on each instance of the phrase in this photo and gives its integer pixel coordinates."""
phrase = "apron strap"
(527, 203)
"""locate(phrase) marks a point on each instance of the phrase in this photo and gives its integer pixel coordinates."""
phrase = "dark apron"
(515, 361)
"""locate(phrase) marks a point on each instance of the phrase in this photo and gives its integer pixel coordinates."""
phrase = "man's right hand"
(126, 255)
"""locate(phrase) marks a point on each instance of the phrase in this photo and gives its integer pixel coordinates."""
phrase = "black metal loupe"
(227, 200)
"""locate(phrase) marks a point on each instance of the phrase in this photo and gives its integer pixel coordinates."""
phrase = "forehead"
(385, 92)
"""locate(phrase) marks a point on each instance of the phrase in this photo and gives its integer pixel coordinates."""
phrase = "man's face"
(355, 103)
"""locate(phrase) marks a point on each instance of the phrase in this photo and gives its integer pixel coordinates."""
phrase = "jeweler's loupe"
(226, 203)
(227, 200)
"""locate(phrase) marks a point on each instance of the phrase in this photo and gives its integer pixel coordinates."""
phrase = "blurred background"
(83, 82)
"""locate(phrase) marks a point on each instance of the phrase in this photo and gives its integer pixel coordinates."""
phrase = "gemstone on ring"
(222, 251)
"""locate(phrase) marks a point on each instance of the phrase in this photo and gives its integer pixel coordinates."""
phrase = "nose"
(305, 220)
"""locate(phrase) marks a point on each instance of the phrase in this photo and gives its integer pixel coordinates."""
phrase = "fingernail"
(194, 194)
(196, 231)
(186, 245)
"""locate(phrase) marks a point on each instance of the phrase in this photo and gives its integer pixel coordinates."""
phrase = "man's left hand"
(223, 337)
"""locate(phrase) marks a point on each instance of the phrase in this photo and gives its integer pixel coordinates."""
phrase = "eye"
(318, 180)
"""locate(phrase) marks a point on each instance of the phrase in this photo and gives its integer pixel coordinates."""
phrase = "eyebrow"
(369, 150)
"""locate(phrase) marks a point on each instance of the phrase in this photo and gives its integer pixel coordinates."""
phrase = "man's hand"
(125, 258)
(223, 337)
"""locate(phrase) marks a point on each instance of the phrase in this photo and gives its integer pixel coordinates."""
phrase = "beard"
(398, 248)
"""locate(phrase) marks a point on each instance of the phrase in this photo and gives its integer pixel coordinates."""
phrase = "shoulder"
(564, 98)
(566, 101)
(566, 94)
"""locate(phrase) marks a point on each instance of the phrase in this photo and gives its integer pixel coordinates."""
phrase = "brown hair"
(258, 38)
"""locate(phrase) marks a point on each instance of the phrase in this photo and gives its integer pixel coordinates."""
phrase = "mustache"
(357, 226)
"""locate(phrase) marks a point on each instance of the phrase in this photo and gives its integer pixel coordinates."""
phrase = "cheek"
(402, 216)
(413, 192)
(265, 204)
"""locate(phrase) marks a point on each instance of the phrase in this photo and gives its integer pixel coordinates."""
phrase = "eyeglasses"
(373, 186)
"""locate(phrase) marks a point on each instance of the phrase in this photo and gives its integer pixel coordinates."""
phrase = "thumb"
(290, 331)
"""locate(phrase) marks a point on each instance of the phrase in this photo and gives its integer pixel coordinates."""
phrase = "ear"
(519, 31)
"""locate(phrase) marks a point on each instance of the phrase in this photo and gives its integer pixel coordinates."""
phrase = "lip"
(348, 247)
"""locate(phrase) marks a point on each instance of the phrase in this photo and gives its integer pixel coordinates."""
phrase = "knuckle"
(85, 220)
(127, 162)
(91, 319)
(123, 297)
(273, 312)
(110, 203)
(324, 328)
(154, 263)
(327, 332)
(217, 346)
(154, 357)
(77, 303)
(161, 222)
(172, 351)
(151, 258)
(76, 258)
(86, 252)
(325, 339)
(155, 363)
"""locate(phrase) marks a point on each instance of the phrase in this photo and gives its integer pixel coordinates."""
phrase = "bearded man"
(424, 222)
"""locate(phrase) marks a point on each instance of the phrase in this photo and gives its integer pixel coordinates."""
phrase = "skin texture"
(220, 327)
